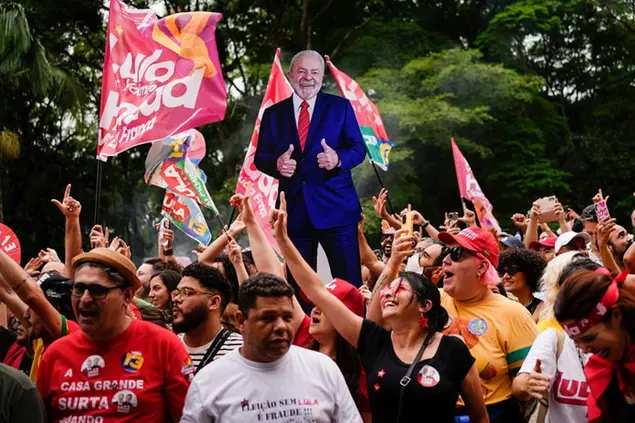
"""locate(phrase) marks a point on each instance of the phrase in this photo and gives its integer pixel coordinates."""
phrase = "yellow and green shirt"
(499, 333)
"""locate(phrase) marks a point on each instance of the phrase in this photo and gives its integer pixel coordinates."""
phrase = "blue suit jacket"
(327, 197)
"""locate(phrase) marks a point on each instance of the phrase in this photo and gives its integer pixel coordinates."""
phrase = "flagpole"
(98, 192)
(392, 210)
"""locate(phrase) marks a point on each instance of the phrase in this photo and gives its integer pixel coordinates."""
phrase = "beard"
(192, 319)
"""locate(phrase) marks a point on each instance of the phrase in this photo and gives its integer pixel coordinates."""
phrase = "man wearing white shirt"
(267, 379)
(310, 142)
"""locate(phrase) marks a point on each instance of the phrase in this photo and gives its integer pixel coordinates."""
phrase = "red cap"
(549, 243)
(474, 239)
(347, 294)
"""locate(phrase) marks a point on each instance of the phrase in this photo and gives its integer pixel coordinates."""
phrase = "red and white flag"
(160, 77)
(471, 190)
(262, 189)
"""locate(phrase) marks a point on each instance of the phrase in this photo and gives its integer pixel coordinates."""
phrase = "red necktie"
(303, 124)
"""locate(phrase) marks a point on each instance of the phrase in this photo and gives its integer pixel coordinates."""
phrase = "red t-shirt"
(141, 375)
(302, 337)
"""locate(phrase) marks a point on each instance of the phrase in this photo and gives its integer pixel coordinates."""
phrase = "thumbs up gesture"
(285, 164)
(328, 158)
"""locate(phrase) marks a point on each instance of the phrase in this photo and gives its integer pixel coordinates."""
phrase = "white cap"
(567, 237)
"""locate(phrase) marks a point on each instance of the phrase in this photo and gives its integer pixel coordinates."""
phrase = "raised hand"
(166, 239)
(328, 158)
(469, 218)
(402, 246)
(98, 237)
(33, 267)
(278, 219)
(235, 252)
(537, 384)
(49, 256)
(604, 229)
(379, 203)
(520, 221)
(70, 207)
(285, 164)
(246, 216)
(534, 214)
(600, 197)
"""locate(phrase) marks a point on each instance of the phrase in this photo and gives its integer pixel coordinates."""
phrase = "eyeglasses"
(96, 291)
(457, 253)
(187, 293)
(510, 271)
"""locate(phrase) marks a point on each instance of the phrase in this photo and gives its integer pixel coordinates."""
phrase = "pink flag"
(160, 77)
(9, 243)
(263, 189)
(471, 190)
(368, 118)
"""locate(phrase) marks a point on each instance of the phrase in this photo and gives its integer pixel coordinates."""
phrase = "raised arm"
(402, 247)
(12, 301)
(603, 231)
(265, 258)
(71, 209)
(368, 258)
(236, 257)
(218, 245)
(28, 291)
(347, 323)
(532, 227)
(166, 245)
(379, 203)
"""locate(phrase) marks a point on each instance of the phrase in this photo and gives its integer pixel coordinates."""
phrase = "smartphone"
(547, 204)
(165, 224)
(602, 210)
(408, 222)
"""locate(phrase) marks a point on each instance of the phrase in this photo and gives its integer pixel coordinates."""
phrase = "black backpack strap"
(406, 379)
(213, 349)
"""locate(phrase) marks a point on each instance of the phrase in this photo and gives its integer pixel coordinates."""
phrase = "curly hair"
(529, 262)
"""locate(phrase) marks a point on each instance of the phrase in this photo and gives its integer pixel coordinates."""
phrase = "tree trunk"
(305, 26)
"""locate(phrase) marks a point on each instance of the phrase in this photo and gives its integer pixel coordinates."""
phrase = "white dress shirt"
(297, 102)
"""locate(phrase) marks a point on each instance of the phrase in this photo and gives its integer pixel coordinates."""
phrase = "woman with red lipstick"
(413, 371)
(598, 313)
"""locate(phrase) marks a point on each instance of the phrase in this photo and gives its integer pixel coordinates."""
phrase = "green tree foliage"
(538, 93)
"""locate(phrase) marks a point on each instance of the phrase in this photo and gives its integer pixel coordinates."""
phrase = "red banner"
(263, 189)
(160, 77)
(471, 190)
(9, 243)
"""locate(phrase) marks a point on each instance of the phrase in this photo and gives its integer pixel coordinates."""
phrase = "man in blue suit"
(310, 142)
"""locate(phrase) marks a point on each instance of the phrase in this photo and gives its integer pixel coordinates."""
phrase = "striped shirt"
(196, 354)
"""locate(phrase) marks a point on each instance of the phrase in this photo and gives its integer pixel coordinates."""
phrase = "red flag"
(9, 243)
(368, 117)
(471, 190)
(160, 77)
(263, 189)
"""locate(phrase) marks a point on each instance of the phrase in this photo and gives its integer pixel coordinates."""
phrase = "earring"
(423, 321)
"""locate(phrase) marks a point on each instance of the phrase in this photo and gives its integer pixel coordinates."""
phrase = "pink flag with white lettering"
(160, 77)
(263, 189)
(471, 190)
(9, 243)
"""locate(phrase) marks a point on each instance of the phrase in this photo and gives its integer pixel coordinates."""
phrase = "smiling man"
(310, 142)
(268, 379)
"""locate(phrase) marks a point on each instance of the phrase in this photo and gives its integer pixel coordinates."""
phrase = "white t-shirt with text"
(302, 386)
(569, 389)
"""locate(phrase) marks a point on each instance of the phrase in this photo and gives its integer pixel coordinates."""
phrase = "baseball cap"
(547, 243)
(112, 259)
(567, 237)
(57, 290)
(512, 242)
(347, 294)
(474, 239)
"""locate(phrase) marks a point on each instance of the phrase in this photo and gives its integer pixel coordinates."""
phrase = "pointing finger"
(283, 202)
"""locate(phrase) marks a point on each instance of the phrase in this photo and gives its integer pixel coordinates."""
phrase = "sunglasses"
(96, 291)
(458, 253)
(510, 271)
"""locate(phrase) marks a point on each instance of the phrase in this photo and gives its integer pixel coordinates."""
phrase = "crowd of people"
(461, 325)
(458, 323)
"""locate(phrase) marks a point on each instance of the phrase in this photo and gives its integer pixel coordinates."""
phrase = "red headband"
(612, 294)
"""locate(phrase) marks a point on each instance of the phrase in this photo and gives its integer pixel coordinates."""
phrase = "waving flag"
(169, 166)
(471, 190)
(368, 118)
(263, 189)
(185, 214)
(160, 77)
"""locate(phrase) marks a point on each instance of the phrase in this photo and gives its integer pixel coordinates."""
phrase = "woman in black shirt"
(411, 307)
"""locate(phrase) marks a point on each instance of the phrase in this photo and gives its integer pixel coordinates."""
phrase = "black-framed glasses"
(457, 253)
(98, 292)
(187, 293)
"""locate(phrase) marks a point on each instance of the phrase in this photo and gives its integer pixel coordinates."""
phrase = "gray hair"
(307, 53)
